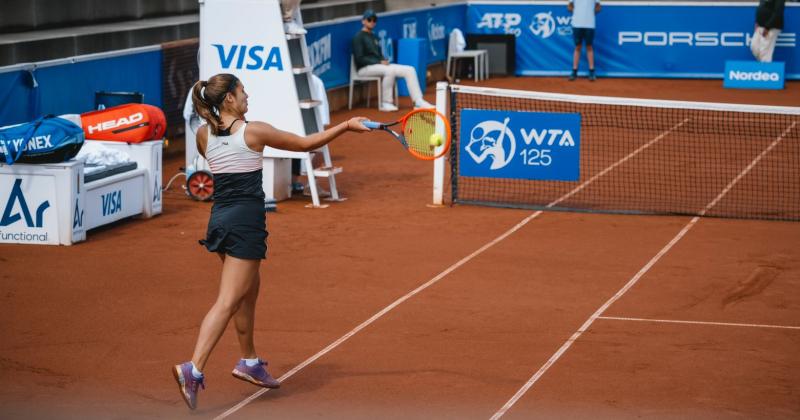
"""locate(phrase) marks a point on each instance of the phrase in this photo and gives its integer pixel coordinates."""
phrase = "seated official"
(370, 62)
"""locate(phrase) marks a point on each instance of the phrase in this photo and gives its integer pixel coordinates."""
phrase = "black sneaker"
(573, 75)
(592, 77)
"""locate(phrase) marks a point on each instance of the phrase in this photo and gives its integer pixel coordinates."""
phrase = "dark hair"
(209, 95)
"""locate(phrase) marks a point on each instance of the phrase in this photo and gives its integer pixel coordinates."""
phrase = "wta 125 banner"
(692, 40)
(520, 145)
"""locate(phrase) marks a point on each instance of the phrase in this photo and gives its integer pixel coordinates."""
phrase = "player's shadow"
(311, 378)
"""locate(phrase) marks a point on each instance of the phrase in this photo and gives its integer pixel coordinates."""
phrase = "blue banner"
(654, 40)
(520, 145)
(753, 75)
(69, 88)
(329, 44)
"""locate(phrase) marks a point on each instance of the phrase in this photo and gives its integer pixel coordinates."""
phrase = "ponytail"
(208, 97)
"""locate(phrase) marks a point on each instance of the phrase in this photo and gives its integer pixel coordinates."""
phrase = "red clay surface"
(91, 330)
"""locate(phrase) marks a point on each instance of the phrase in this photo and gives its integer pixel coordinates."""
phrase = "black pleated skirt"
(237, 226)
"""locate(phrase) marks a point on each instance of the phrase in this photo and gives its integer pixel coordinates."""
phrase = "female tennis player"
(236, 229)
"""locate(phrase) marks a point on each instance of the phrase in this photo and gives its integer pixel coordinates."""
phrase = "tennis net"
(635, 156)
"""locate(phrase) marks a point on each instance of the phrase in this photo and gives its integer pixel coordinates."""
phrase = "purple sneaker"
(256, 375)
(187, 383)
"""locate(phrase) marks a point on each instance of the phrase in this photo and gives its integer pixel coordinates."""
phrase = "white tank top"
(230, 154)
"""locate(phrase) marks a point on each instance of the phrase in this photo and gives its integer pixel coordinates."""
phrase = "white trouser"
(389, 72)
(288, 7)
(763, 46)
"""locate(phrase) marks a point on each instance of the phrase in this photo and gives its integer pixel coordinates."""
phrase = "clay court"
(383, 307)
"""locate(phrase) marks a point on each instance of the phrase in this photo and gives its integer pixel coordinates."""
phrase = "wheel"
(200, 185)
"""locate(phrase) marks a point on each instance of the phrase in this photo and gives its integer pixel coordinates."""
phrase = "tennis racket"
(417, 129)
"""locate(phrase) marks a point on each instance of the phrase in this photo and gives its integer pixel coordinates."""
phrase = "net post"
(438, 164)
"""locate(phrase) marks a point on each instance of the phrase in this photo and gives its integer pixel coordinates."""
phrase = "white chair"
(354, 77)
(455, 51)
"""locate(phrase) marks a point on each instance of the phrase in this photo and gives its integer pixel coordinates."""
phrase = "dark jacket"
(769, 14)
(366, 49)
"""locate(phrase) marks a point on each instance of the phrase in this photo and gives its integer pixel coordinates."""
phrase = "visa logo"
(112, 202)
(254, 57)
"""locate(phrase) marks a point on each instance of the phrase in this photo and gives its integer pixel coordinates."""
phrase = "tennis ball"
(435, 139)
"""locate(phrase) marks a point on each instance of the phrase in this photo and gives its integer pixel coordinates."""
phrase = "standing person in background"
(370, 62)
(583, 23)
(769, 23)
(237, 231)
(290, 26)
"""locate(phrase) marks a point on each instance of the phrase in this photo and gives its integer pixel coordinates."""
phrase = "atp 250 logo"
(543, 24)
(509, 22)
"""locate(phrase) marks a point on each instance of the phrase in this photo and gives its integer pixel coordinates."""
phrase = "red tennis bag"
(131, 123)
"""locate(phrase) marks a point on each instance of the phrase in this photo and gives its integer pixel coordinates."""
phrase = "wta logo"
(543, 25)
(519, 145)
(492, 140)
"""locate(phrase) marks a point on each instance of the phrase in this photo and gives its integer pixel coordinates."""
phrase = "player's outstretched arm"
(267, 135)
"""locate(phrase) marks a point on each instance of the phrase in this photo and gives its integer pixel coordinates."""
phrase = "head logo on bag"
(131, 123)
(126, 123)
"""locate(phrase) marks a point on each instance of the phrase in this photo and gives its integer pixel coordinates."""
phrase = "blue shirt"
(583, 13)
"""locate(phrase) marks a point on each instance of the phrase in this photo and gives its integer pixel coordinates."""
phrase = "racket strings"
(417, 130)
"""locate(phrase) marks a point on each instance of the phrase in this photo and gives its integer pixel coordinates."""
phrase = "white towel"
(318, 93)
(98, 154)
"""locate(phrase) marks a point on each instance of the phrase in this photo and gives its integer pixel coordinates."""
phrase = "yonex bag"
(131, 123)
(48, 139)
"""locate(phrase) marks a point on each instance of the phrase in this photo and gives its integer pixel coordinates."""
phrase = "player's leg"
(250, 367)
(237, 278)
(244, 319)
(577, 36)
(236, 281)
(409, 74)
(769, 45)
(387, 86)
(288, 8)
(589, 39)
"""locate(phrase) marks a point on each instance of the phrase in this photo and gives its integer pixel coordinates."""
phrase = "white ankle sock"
(251, 362)
(195, 372)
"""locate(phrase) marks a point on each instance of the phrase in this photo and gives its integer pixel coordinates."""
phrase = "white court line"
(564, 347)
(676, 321)
(450, 269)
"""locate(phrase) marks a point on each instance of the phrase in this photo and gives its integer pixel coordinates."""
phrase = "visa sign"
(111, 203)
(255, 57)
(753, 75)
(520, 145)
